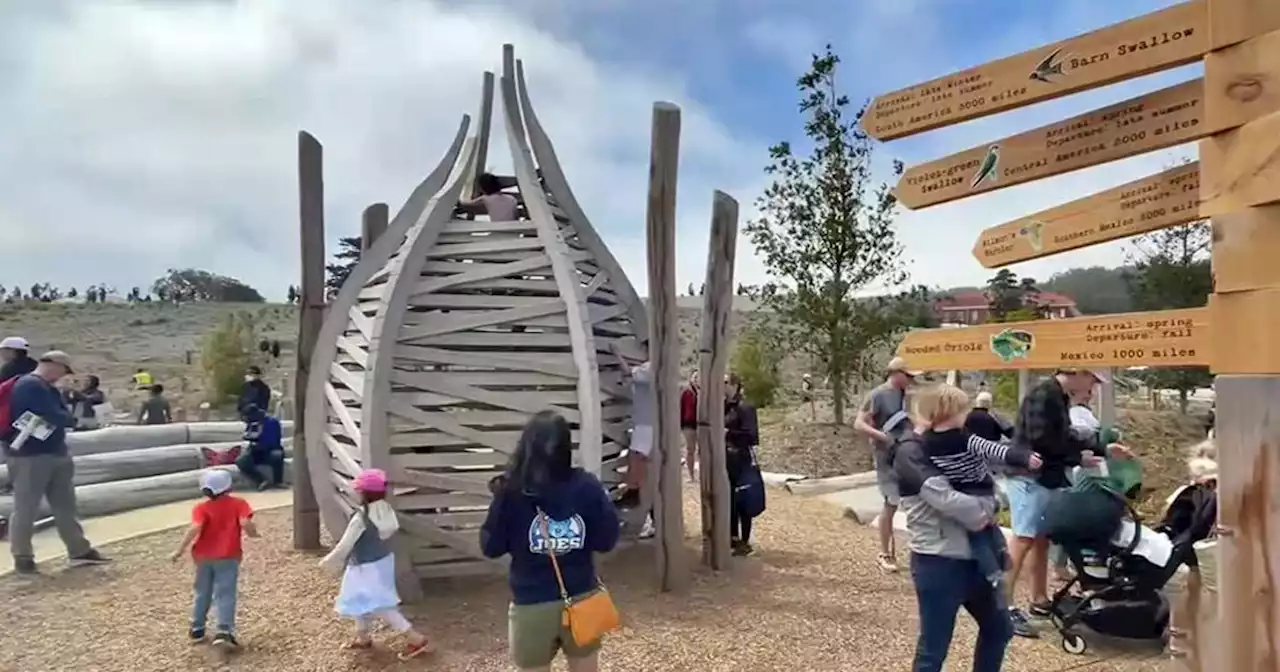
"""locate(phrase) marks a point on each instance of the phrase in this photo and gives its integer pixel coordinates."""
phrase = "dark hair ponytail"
(543, 455)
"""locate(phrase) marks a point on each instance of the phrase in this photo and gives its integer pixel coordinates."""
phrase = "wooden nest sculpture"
(452, 330)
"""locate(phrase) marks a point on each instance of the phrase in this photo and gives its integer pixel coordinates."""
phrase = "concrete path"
(128, 525)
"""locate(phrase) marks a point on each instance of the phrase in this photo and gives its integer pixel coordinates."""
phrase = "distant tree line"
(176, 286)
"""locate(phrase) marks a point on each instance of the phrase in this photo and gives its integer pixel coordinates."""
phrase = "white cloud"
(146, 135)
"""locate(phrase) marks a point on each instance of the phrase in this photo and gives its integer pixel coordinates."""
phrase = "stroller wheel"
(1074, 644)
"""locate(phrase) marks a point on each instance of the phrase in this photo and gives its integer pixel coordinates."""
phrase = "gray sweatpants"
(37, 477)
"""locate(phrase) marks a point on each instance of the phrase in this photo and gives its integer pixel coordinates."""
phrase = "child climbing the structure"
(363, 557)
(643, 411)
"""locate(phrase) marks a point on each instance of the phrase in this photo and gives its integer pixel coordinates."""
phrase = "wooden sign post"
(1236, 108)
(1162, 338)
(1157, 202)
(1239, 187)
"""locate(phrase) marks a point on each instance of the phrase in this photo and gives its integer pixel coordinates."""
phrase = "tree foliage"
(757, 361)
(1096, 290)
(826, 234)
(1013, 299)
(190, 284)
(1170, 269)
(345, 259)
(225, 354)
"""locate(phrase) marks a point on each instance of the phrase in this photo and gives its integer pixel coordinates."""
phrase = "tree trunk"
(1182, 401)
(837, 395)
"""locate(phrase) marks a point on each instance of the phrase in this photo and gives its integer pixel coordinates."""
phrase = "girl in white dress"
(368, 568)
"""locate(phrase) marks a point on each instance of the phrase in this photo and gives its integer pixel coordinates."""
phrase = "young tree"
(293, 294)
(345, 259)
(826, 233)
(1170, 269)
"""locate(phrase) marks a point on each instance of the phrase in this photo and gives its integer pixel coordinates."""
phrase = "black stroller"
(1120, 592)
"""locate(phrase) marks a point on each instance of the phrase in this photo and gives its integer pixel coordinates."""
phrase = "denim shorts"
(1027, 503)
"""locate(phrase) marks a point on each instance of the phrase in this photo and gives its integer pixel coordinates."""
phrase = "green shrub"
(1004, 389)
(757, 363)
(225, 353)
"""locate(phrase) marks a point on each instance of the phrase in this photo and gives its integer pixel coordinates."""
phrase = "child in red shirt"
(214, 538)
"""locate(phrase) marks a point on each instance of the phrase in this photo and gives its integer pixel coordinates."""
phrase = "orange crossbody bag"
(589, 618)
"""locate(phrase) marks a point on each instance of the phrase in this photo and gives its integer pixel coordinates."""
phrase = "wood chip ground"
(810, 600)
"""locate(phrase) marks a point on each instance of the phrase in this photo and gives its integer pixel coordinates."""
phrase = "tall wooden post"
(1107, 401)
(373, 223)
(1239, 185)
(306, 511)
(1024, 384)
(713, 355)
(664, 345)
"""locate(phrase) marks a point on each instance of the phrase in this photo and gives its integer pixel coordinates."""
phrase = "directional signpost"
(1168, 117)
(1158, 41)
(1163, 338)
(1235, 109)
(1157, 202)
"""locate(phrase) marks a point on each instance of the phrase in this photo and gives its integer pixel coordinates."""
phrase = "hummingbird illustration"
(1047, 68)
(1033, 232)
(988, 169)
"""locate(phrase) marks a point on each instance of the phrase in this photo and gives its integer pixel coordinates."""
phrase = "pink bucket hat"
(370, 480)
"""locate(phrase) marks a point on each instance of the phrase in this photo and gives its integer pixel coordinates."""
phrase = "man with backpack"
(884, 420)
(40, 464)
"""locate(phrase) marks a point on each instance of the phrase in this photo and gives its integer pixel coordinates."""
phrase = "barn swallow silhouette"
(1049, 67)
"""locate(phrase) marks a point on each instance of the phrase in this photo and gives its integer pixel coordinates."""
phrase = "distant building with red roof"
(972, 306)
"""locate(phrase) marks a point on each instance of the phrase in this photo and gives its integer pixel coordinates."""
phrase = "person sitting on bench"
(263, 435)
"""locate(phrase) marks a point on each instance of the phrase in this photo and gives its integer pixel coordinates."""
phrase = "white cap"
(216, 481)
(983, 400)
(15, 343)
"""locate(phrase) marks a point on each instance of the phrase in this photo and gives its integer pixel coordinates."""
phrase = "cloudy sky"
(138, 135)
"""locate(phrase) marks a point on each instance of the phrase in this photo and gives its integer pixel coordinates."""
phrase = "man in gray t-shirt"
(883, 419)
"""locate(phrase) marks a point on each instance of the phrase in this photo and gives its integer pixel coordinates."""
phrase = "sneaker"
(1041, 609)
(887, 563)
(196, 634)
(412, 650)
(93, 557)
(1022, 626)
(225, 640)
(264, 486)
(743, 550)
(25, 566)
(648, 530)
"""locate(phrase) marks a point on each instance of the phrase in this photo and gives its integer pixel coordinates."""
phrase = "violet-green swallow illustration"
(1047, 68)
(988, 170)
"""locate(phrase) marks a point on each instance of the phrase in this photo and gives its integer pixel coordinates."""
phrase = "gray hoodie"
(939, 519)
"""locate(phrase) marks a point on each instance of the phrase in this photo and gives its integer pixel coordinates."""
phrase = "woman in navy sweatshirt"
(543, 505)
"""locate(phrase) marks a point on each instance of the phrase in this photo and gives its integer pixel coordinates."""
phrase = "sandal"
(358, 645)
(412, 650)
